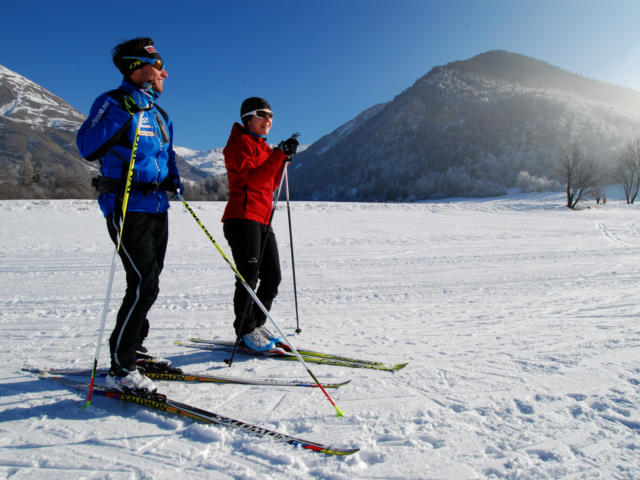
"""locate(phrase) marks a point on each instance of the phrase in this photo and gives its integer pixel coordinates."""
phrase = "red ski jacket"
(253, 173)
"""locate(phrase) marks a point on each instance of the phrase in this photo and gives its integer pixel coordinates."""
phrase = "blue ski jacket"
(107, 135)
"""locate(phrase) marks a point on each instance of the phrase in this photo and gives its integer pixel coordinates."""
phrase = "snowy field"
(520, 321)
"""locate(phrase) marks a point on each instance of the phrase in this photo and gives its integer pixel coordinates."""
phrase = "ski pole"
(125, 202)
(293, 263)
(255, 298)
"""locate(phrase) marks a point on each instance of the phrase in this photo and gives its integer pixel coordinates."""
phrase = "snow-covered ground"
(519, 320)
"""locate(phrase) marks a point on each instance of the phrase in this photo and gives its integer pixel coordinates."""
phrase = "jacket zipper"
(160, 138)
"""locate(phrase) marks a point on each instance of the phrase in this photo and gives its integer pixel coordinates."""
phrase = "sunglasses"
(259, 113)
(156, 62)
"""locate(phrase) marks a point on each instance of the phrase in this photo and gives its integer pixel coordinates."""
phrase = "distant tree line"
(26, 181)
(583, 175)
(212, 189)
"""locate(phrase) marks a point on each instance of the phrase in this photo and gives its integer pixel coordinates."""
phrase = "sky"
(318, 63)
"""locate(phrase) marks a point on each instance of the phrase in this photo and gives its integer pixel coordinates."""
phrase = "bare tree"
(8, 185)
(627, 170)
(26, 172)
(582, 175)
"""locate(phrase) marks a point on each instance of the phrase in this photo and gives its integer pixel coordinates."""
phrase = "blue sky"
(319, 63)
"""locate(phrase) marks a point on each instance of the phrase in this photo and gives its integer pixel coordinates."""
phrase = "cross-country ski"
(179, 376)
(160, 402)
(283, 352)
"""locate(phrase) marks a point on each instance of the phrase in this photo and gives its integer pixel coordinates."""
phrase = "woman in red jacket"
(254, 171)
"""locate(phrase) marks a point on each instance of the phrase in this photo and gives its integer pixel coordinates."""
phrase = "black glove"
(289, 146)
(138, 100)
(172, 184)
(178, 186)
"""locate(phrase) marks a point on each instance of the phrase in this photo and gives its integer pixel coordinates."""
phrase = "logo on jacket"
(146, 128)
(100, 113)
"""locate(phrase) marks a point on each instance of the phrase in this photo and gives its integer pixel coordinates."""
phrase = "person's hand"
(179, 187)
(172, 184)
(289, 146)
(138, 100)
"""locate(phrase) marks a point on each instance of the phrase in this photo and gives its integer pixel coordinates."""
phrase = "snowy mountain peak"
(210, 161)
(23, 101)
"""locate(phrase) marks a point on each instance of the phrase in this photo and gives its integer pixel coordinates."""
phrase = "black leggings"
(247, 239)
(144, 243)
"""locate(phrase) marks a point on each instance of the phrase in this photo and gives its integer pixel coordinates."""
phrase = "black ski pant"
(142, 251)
(248, 239)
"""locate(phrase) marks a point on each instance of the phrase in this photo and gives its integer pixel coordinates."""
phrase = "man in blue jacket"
(108, 135)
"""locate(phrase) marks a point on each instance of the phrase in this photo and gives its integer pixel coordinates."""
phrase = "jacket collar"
(246, 130)
(129, 87)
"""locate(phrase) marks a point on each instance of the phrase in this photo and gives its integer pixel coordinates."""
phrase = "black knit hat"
(141, 47)
(251, 104)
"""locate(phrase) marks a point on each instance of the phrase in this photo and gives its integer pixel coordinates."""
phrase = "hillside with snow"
(23, 101)
(37, 142)
(518, 317)
(470, 128)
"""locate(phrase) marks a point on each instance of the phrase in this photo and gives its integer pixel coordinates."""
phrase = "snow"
(518, 317)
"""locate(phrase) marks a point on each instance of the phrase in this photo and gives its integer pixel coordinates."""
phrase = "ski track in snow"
(518, 318)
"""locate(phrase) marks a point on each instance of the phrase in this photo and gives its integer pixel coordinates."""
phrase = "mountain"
(469, 128)
(209, 161)
(38, 153)
(37, 142)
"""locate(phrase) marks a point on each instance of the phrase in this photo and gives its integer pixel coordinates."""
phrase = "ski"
(308, 355)
(160, 402)
(176, 375)
(313, 353)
